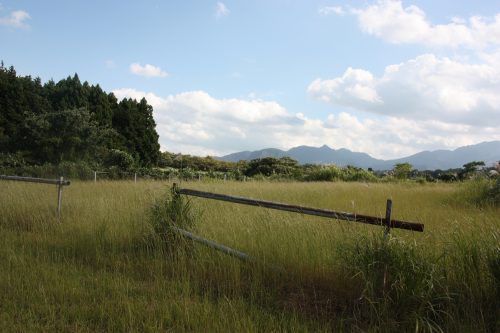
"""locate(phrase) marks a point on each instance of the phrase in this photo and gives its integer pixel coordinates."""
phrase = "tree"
(58, 136)
(268, 166)
(470, 169)
(134, 121)
(72, 121)
(402, 170)
(119, 158)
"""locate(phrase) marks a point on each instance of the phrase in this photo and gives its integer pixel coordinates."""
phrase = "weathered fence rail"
(386, 222)
(413, 226)
(59, 182)
(213, 245)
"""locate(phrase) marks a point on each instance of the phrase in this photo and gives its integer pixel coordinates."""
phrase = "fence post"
(176, 197)
(95, 176)
(135, 177)
(59, 196)
(388, 212)
(225, 176)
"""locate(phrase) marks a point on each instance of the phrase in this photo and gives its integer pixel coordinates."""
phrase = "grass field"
(102, 267)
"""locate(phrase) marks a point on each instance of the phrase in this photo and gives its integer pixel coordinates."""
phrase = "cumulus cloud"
(195, 122)
(16, 19)
(424, 88)
(328, 10)
(147, 70)
(221, 10)
(389, 20)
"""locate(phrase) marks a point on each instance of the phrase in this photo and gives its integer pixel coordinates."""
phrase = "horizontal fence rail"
(413, 226)
(59, 182)
(213, 245)
(36, 180)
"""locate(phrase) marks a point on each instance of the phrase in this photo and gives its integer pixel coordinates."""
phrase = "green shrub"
(120, 159)
(401, 287)
(172, 210)
(330, 173)
(479, 192)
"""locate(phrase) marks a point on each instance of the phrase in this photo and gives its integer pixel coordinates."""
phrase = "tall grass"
(104, 265)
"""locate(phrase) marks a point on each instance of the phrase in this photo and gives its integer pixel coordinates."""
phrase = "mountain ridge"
(488, 151)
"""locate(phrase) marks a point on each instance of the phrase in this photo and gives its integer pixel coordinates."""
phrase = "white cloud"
(197, 123)
(389, 20)
(356, 86)
(424, 88)
(16, 19)
(328, 10)
(221, 10)
(147, 70)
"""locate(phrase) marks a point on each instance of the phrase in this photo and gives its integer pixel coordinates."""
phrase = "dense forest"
(73, 121)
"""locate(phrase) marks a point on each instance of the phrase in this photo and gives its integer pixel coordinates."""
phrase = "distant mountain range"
(489, 152)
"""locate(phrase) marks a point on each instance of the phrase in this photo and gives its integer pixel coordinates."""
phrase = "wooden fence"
(59, 182)
(387, 222)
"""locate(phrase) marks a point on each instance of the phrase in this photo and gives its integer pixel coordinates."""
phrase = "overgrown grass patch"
(103, 267)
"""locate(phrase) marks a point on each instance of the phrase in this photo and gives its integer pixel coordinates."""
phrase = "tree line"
(287, 168)
(71, 121)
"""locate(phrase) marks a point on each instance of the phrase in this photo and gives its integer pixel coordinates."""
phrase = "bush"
(400, 284)
(172, 210)
(480, 192)
(11, 160)
(330, 173)
(120, 159)
(494, 192)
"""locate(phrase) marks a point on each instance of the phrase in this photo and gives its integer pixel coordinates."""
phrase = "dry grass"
(103, 268)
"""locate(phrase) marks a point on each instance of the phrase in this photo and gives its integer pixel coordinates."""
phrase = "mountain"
(489, 152)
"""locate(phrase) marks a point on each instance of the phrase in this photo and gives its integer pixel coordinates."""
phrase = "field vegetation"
(111, 264)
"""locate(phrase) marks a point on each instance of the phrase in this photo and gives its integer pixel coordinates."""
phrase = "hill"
(489, 152)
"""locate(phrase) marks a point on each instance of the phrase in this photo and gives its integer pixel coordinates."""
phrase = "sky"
(389, 78)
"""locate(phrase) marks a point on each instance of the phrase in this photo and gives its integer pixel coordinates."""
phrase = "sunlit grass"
(102, 267)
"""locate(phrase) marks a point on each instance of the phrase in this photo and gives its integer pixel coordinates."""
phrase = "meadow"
(103, 267)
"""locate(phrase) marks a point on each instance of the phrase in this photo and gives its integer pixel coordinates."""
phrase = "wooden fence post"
(59, 196)
(388, 213)
(95, 176)
(135, 177)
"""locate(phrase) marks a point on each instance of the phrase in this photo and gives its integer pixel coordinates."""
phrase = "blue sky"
(385, 77)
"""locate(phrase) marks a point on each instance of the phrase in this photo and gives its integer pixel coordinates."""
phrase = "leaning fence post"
(388, 212)
(59, 195)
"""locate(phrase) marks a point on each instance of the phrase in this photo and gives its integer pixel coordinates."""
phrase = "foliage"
(71, 121)
(401, 287)
(119, 158)
(470, 169)
(172, 210)
(268, 166)
(402, 170)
